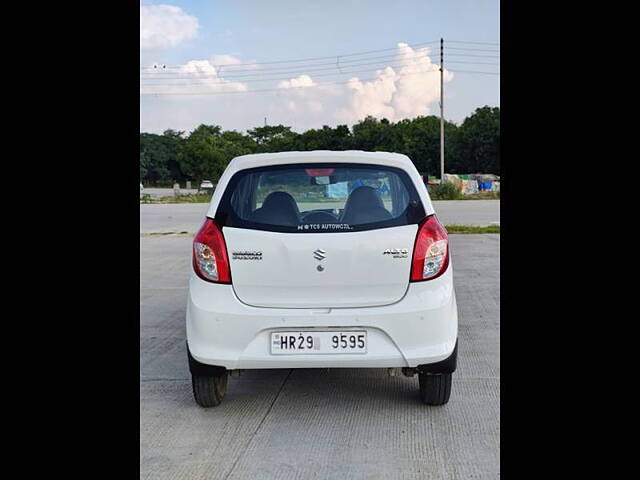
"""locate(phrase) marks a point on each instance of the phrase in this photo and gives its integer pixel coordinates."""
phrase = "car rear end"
(322, 259)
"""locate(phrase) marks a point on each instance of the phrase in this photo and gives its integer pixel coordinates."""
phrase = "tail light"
(210, 259)
(431, 251)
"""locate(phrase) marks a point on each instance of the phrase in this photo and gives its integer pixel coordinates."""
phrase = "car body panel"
(320, 270)
(419, 329)
(407, 323)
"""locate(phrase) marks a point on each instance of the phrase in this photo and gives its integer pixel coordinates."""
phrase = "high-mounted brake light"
(319, 172)
(210, 259)
(431, 251)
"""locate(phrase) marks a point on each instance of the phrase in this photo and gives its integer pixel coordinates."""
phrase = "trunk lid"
(357, 269)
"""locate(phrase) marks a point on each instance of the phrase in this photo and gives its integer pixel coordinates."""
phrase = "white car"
(206, 184)
(321, 260)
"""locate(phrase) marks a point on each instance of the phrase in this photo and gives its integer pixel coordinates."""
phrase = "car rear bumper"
(421, 328)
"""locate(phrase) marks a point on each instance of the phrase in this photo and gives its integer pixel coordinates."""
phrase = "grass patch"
(472, 229)
(449, 191)
(190, 198)
(482, 196)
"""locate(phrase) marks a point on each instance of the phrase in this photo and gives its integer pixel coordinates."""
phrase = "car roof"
(346, 156)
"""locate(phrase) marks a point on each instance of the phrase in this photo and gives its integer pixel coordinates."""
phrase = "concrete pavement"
(311, 423)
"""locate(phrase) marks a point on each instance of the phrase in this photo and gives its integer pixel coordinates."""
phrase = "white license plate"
(318, 342)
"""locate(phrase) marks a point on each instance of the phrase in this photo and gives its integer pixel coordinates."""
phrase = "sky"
(305, 64)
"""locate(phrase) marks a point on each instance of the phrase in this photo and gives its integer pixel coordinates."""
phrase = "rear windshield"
(313, 198)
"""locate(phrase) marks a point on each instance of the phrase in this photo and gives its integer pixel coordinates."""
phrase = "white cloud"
(301, 81)
(228, 60)
(225, 59)
(407, 87)
(164, 26)
(373, 97)
(418, 84)
(196, 76)
(403, 91)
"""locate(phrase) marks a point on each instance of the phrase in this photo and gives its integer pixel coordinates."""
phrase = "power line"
(280, 71)
(337, 62)
(226, 79)
(347, 70)
(308, 86)
(473, 49)
(270, 89)
(474, 71)
(316, 58)
(471, 55)
(476, 63)
(473, 43)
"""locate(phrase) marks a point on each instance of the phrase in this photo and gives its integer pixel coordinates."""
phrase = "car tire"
(209, 390)
(435, 389)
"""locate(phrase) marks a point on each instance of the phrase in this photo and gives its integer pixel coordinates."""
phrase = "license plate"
(315, 342)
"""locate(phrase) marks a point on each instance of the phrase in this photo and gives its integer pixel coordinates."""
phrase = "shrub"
(445, 191)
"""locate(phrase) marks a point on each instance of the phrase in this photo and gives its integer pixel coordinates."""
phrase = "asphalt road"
(188, 217)
(312, 423)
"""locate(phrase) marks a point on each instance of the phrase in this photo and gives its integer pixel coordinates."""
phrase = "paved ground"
(323, 424)
(468, 212)
(188, 217)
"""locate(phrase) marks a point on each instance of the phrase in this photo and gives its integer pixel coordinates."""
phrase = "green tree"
(325, 138)
(264, 135)
(479, 142)
(372, 134)
(420, 141)
(471, 148)
(160, 157)
(173, 141)
(273, 138)
(207, 151)
(144, 164)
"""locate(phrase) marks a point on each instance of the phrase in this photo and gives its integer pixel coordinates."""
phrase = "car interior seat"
(279, 208)
(364, 205)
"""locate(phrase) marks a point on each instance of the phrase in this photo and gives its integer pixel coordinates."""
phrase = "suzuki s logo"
(319, 254)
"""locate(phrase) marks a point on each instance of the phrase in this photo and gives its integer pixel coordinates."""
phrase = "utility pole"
(265, 121)
(441, 111)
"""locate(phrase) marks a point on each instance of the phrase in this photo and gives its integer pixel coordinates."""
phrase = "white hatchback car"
(206, 185)
(321, 260)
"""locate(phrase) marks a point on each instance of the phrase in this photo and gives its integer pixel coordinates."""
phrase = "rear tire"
(435, 389)
(209, 390)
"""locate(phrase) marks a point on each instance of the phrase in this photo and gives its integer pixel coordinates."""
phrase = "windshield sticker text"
(325, 226)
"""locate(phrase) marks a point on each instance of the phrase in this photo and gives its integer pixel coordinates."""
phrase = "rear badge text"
(397, 252)
(246, 255)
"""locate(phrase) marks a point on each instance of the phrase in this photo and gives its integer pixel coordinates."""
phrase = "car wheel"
(435, 389)
(209, 390)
